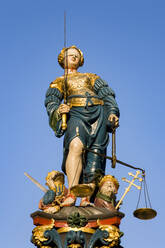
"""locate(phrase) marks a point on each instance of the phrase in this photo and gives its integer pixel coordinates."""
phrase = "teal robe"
(80, 124)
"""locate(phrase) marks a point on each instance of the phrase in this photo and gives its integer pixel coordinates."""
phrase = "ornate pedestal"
(77, 227)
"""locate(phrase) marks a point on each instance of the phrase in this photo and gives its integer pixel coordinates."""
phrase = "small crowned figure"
(90, 107)
(106, 196)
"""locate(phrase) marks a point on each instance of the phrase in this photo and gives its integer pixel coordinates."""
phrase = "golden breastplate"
(79, 89)
(79, 84)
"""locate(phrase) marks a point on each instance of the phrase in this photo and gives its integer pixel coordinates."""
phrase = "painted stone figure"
(51, 201)
(106, 196)
(90, 109)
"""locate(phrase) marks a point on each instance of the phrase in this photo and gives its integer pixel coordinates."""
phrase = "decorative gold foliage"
(114, 235)
(74, 246)
(38, 235)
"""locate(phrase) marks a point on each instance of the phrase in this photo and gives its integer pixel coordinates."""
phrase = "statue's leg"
(74, 162)
(95, 164)
(95, 167)
(73, 168)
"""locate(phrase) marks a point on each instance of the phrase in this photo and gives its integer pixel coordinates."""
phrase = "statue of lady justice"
(90, 108)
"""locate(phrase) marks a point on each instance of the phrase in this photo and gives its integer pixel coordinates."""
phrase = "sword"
(35, 182)
(64, 116)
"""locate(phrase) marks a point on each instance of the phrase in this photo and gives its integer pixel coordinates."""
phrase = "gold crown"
(109, 178)
(62, 55)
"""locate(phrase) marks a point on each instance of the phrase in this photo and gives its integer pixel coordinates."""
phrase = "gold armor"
(79, 85)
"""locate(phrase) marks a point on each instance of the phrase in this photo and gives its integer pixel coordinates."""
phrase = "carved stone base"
(77, 227)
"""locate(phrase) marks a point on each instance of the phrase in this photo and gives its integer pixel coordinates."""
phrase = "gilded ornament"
(38, 235)
(58, 83)
(76, 229)
(75, 246)
(114, 234)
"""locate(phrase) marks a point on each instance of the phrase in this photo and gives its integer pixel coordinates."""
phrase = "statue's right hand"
(63, 109)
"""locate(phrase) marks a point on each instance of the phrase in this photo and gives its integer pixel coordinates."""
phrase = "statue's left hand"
(113, 118)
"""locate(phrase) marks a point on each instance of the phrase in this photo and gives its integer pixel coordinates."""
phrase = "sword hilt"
(64, 124)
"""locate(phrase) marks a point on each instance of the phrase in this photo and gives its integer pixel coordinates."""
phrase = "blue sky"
(123, 42)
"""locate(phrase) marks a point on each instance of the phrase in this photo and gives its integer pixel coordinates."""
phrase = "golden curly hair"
(62, 54)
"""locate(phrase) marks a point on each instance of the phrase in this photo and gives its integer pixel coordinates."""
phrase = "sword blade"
(35, 182)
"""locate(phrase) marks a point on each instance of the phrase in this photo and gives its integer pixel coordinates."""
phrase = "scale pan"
(145, 213)
(82, 190)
